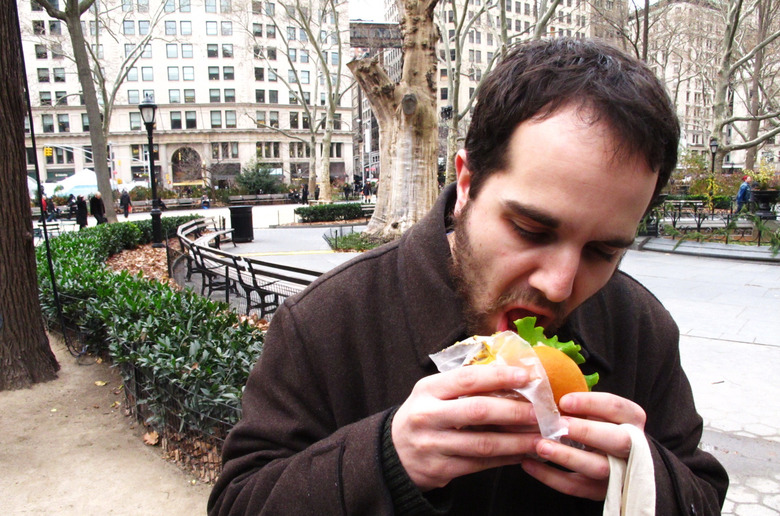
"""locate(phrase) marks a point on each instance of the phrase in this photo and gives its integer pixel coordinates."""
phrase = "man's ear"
(463, 181)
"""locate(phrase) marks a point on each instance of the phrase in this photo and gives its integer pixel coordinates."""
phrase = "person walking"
(125, 203)
(743, 196)
(97, 208)
(367, 192)
(81, 212)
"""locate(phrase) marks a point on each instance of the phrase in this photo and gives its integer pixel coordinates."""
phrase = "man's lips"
(510, 316)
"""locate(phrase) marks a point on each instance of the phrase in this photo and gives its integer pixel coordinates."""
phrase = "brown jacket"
(341, 355)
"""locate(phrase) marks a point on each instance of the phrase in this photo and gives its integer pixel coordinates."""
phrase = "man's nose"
(555, 274)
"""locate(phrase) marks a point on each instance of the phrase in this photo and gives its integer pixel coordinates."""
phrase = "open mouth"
(508, 321)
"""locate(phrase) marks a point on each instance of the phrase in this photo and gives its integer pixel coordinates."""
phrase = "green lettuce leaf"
(534, 335)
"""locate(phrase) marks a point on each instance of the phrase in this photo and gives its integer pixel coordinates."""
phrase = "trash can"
(241, 222)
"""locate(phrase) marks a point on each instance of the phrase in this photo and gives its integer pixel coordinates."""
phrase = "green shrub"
(196, 350)
(329, 212)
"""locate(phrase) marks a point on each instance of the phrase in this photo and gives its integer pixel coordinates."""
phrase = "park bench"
(260, 199)
(367, 210)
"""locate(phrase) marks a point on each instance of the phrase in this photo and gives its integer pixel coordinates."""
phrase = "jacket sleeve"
(287, 455)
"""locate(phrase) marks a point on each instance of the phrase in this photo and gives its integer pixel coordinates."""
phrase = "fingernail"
(545, 449)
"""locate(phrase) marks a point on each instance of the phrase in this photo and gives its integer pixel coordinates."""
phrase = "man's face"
(548, 232)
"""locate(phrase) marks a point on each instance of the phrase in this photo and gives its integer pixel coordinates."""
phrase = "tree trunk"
(408, 124)
(755, 84)
(96, 134)
(25, 355)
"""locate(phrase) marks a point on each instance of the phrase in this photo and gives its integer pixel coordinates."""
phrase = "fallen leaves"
(148, 260)
(101, 383)
(151, 438)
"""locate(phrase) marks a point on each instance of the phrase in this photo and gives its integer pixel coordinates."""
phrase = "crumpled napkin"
(631, 489)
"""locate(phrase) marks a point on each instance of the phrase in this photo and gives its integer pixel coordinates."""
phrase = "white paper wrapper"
(537, 390)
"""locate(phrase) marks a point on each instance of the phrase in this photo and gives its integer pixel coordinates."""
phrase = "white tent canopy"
(83, 182)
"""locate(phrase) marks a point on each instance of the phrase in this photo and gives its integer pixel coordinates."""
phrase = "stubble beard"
(471, 278)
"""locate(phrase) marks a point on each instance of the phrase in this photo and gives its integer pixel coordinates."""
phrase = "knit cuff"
(407, 498)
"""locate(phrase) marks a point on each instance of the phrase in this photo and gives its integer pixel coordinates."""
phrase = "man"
(125, 203)
(345, 414)
(97, 208)
(743, 195)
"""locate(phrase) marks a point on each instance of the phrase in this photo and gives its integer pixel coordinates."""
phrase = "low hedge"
(184, 341)
(721, 202)
(329, 212)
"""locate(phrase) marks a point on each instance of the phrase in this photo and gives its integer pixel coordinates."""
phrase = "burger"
(560, 359)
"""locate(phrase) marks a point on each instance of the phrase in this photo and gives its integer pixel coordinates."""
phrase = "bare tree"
(93, 77)
(736, 54)
(25, 355)
(408, 122)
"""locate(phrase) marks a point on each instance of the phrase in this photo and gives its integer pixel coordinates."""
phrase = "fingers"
(574, 484)
(605, 407)
(466, 381)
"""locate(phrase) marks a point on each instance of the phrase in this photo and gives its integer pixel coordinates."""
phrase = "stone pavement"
(728, 311)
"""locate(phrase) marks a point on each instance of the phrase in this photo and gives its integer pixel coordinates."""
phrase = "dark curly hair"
(537, 78)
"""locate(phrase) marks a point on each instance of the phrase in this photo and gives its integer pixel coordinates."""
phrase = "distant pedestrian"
(367, 192)
(98, 209)
(347, 191)
(743, 196)
(51, 210)
(317, 192)
(305, 194)
(125, 203)
(81, 212)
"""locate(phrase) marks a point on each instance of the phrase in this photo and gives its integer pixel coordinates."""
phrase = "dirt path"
(66, 448)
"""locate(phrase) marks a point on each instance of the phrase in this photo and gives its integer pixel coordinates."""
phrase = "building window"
(147, 52)
(186, 50)
(170, 28)
(61, 98)
(270, 8)
(188, 73)
(257, 30)
(259, 74)
(184, 6)
(63, 123)
(45, 98)
(230, 119)
(224, 6)
(443, 93)
(170, 6)
(228, 73)
(147, 73)
(175, 119)
(293, 120)
(135, 121)
(211, 28)
(271, 53)
(305, 77)
(227, 50)
(133, 97)
(47, 122)
(174, 96)
(88, 154)
(211, 6)
(213, 73)
(189, 96)
(41, 52)
(172, 51)
(260, 118)
(270, 32)
(143, 6)
(212, 50)
(273, 97)
(128, 27)
(186, 28)
(230, 95)
(226, 28)
(127, 5)
(173, 73)
(216, 119)
(291, 32)
(190, 120)
(337, 121)
(273, 119)
(215, 96)
(39, 27)
(272, 75)
(260, 96)
(291, 78)
(59, 74)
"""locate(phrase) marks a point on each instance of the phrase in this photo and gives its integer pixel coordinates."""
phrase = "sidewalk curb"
(707, 249)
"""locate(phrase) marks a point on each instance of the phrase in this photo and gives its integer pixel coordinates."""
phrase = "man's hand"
(450, 427)
(596, 426)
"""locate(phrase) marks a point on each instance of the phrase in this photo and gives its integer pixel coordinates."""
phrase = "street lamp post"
(148, 109)
(713, 152)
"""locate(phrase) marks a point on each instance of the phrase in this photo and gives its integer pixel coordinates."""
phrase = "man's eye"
(605, 252)
(534, 236)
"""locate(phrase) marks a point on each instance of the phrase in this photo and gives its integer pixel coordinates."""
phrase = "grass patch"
(356, 242)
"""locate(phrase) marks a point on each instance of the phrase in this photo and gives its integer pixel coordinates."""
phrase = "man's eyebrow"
(532, 213)
(548, 220)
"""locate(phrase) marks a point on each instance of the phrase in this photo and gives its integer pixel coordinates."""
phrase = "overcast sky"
(373, 10)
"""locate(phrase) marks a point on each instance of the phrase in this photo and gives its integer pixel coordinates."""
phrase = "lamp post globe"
(148, 110)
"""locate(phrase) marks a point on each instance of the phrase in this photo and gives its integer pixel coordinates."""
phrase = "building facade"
(235, 82)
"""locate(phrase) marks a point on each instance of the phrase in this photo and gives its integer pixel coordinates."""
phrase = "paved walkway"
(727, 304)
